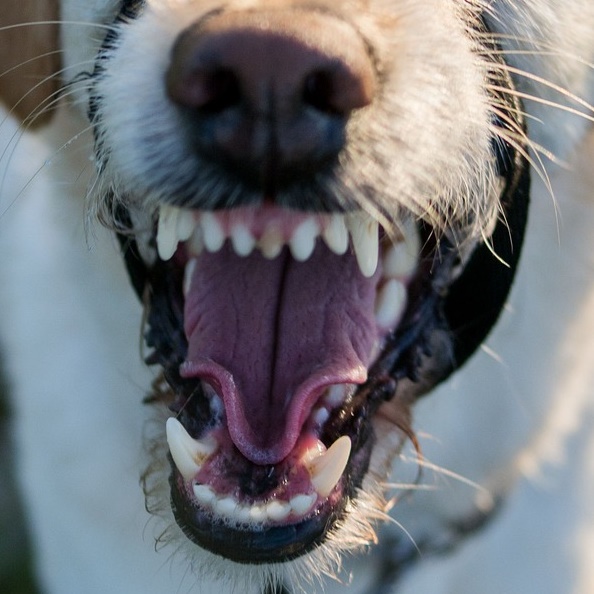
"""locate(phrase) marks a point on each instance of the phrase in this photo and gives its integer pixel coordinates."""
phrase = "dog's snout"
(271, 90)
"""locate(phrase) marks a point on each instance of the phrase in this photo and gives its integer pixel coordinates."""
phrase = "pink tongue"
(271, 335)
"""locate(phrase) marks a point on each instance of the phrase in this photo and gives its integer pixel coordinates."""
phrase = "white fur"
(517, 420)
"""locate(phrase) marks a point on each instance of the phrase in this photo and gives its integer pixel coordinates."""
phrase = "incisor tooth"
(212, 232)
(336, 235)
(167, 231)
(225, 507)
(188, 453)
(243, 241)
(257, 513)
(303, 242)
(365, 234)
(390, 302)
(278, 510)
(271, 243)
(301, 504)
(327, 469)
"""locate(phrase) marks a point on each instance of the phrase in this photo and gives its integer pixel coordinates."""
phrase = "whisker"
(23, 25)
(441, 471)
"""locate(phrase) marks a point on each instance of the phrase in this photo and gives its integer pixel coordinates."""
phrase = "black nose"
(268, 94)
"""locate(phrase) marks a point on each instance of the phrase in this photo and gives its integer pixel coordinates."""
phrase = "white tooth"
(242, 514)
(225, 507)
(364, 231)
(303, 242)
(167, 231)
(212, 232)
(185, 224)
(336, 395)
(390, 303)
(271, 243)
(327, 469)
(301, 504)
(313, 452)
(196, 243)
(336, 235)
(257, 513)
(401, 259)
(277, 510)
(188, 274)
(204, 494)
(242, 239)
(188, 453)
(321, 416)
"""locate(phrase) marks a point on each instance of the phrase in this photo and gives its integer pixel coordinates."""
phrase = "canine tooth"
(188, 274)
(242, 239)
(336, 235)
(304, 239)
(167, 231)
(212, 232)
(204, 494)
(271, 243)
(301, 504)
(185, 224)
(364, 231)
(401, 259)
(327, 469)
(188, 453)
(277, 510)
(391, 300)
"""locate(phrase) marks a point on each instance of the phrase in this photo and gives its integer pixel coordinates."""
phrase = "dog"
(176, 170)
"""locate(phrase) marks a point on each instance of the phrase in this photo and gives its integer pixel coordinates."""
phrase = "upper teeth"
(209, 230)
(364, 231)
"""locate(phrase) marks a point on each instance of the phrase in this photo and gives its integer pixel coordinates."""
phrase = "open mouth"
(284, 312)
(281, 334)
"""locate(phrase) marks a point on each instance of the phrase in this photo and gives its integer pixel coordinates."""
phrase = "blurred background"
(15, 559)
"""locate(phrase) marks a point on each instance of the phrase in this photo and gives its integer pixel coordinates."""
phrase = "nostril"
(210, 90)
(319, 91)
(221, 91)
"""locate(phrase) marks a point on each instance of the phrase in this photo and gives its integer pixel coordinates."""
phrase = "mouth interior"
(284, 313)
(271, 336)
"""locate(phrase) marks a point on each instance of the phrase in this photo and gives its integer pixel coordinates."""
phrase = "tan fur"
(30, 59)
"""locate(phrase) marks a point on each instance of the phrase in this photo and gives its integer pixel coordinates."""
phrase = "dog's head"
(321, 207)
